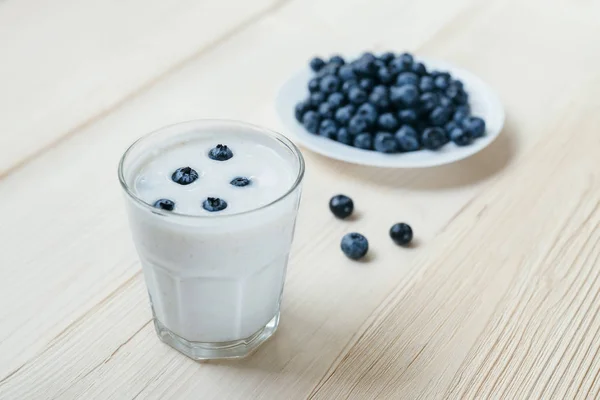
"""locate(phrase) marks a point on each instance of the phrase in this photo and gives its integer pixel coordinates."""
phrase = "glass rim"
(282, 139)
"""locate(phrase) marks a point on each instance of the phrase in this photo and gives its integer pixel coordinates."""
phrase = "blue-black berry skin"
(366, 84)
(311, 121)
(313, 85)
(407, 59)
(460, 114)
(450, 126)
(387, 122)
(363, 141)
(316, 99)
(385, 143)
(426, 84)
(434, 138)
(337, 59)
(329, 84)
(165, 204)
(316, 64)
(326, 110)
(357, 125)
(444, 101)
(328, 129)
(357, 96)
(404, 96)
(336, 99)
(441, 82)
(214, 204)
(408, 116)
(474, 126)
(369, 112)
(401, 234)
(407, 78)
(220, 153)
(300, 109)
(385, 75)
(407, 138)
(419, 69)
(381, 100)
(346, 73)
(354, 245)
(240, 181)
(341, 206)
(184, 175)
(387, 57)
(344, 114)
(440, 116)
(460, 137)
(343, 136)
(347, 85)
(428, 101)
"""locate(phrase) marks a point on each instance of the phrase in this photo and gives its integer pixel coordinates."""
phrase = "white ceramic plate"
(484, 103)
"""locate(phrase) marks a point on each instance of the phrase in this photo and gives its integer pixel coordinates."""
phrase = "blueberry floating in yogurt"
(165, 204)
(354, 245)
(214, 204)
(240, 181)
(184, 176)
(220, 153)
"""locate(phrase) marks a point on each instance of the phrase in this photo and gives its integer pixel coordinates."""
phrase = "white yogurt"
(214, 276)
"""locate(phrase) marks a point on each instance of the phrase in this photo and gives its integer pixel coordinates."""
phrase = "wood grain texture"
(497, 300)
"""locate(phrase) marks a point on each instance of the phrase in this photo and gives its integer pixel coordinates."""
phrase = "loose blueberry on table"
(184, 175)
(401, 233)
(165, 204)
(341, 206)
(354, 245)
(214, 204)
(373, 101)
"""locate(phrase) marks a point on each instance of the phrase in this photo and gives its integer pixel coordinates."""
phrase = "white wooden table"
(500, 299)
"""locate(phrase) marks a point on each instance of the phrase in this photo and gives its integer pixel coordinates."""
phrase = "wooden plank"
(67, 290)
(66, 63)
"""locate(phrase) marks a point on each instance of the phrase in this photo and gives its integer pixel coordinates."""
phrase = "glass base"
(213, 351)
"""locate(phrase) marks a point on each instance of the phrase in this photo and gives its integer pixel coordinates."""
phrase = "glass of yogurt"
(212, 206)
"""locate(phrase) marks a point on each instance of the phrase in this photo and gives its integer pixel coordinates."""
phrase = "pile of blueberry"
(390, 104)
(354, 245)
(187, 175)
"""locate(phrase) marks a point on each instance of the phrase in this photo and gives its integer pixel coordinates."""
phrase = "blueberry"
(357, 125)
(316, 99)
(368, 56)
(408, 116)
(313, 85)
(366, 84)
(407, 95)
(220, 153)
(346, 86)
(380, 100)
(240, 181)
(328, 129)
(434, 138)
(341, 206)
(328, 69)
(385, 143)
(354, 245)
(450, 126)
(329, 84)
(452, 91)
(184, 175)
(380, 89)
(343, 136)
(316, 64)
(460, 114)
(357, 96)
(407, 138)
(300, 109)
(426, 84)
(407, 78)
(428, 101)
(365, 67)
(387, 57)
(337, 59)
(346, 73)
(343, 114)
(461, 98)
(363, 141)
(326, 110)
(444, 101)
(397, 65)
(474, 126)
(311, 121)
(165, 204)
(441, 82)
(214, 204)
(419, 69)
(460, 137)
(336, 99)
(384, 75)
(440, 116)
(407, 59)
(458, 83)
(369, 112)
(401, 233)
(387, 122)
